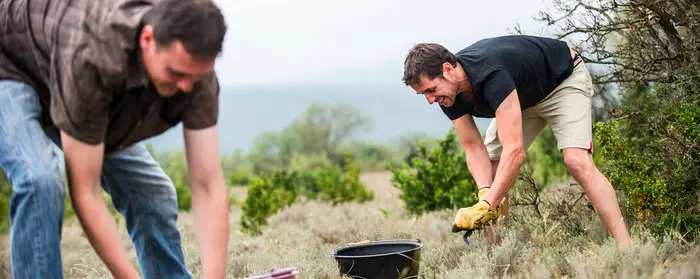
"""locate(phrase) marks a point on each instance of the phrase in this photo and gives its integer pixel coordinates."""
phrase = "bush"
(174, 164)
(635, 174)
(240, 178)
(438, 180)
(5, 211)
(338, 185)
(273, 191)
(267, 194)
(5, 194)
(652, 154)
(306, 162)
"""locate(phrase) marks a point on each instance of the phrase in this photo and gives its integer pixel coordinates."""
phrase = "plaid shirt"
(82, 57)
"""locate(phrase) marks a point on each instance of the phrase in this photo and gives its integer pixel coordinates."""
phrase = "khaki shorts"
(567, 110)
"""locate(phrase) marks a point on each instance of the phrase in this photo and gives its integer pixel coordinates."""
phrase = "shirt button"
(139, 123)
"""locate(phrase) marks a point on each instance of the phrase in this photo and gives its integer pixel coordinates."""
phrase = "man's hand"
(83, 168)
(473, 217)
(499, 207)
(209, 199)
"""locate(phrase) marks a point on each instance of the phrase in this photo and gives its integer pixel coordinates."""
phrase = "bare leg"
(599, 191)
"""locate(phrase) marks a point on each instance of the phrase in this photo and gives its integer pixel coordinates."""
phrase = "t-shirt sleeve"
(457, 110)
(202, 110)
(79, 98)
(497, 85)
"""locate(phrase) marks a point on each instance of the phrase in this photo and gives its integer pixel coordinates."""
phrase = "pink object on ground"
(284, 273)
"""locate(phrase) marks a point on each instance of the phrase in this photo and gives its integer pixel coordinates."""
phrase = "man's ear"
(447, 67)
(447, 70)
(147, 36)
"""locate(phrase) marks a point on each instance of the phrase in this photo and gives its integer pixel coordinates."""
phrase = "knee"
(45, 183)
(151, 209)
(42, 188)
(578, 161)
(165, 200)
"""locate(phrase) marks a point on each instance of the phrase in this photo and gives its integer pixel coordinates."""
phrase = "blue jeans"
(30, 157)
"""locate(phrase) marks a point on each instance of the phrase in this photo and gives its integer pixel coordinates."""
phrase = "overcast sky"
(329, 41)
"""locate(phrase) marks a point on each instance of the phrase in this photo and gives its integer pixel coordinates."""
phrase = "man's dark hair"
(426, 59)
(198, 24)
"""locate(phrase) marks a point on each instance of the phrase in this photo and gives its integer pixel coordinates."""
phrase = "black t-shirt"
(534, 66)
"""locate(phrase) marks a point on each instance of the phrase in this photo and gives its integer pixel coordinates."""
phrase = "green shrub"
(240, 178)
(273, 191)
(5, 211)
(438, 180)
(175, 166)
(5, 194)
(652, 154)
(306, 162)
(339, 185)
(267, 194)
(184, 196)
(635, 174)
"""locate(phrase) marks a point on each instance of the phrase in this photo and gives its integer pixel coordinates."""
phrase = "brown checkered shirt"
(82, 58)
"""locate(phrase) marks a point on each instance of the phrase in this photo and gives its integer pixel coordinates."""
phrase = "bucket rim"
(417, 242)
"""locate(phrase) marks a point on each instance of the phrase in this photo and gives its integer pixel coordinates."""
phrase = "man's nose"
(184, 86)
(430, 98)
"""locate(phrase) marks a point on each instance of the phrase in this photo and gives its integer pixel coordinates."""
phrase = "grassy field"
(567, 241)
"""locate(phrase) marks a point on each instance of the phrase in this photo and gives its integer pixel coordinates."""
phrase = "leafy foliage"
(270, 192)
(339, 185)
(240, 177)
(652, 155)
(438, 180)
(320, 130)
(637, 41)
(267, 195)
(635, 174)
(5, 194)
(175, 166)
(649, 147)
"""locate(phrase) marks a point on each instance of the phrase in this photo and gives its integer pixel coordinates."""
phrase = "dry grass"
(567, 242)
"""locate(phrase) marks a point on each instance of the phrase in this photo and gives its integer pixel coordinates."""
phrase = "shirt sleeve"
(202, 110)
(79, 98)
(496, 87)
(457, 110)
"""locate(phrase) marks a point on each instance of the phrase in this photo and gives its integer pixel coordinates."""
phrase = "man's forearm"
(83, 167)
(91, 210)
(479, 165)
(210, 208)
(511, 160)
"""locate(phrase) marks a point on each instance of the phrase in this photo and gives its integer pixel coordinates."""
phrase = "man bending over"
(95, 78)
(525, 83)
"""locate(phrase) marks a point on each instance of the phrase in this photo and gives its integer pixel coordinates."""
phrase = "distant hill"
(248, 111)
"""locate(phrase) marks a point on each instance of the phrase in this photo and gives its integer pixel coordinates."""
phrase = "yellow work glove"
(483, 192)
(473, 217)
(482, 196)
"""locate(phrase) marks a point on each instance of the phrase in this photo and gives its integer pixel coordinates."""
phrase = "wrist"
(218, 273)
(125, 271)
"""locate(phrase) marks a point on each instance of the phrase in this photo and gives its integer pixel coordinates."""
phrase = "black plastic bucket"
(386, 259)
